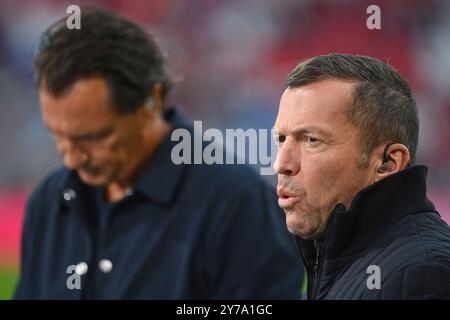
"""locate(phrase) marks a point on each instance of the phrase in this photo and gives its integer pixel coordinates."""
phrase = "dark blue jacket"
(184, 232)
(390, 231)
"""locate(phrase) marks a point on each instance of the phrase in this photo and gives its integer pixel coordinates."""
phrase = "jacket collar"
(351, 229)
(160, 179)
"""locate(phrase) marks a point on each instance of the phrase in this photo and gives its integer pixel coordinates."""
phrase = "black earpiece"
(385, 160)
(383, 168)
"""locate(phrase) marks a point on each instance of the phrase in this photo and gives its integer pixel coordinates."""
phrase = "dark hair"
(109, 46)
(383, 106)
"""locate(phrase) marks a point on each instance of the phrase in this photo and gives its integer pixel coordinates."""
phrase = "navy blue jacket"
(390, 231)
(184, 232)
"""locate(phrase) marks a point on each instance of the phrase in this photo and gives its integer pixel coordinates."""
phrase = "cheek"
(322, 180)
(329, 182)
(106, 153)
(120, 152)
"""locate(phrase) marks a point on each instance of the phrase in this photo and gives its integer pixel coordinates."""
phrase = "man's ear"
(394, 159)
(154, 103)
(153, 106)
(157, 98)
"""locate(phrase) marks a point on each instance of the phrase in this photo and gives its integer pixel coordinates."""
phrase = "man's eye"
(280, 139)
(311, 140)
(95, 137)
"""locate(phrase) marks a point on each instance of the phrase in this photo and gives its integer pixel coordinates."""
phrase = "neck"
(152, 138)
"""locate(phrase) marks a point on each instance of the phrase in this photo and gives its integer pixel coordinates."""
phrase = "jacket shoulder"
(413, 259)
(425, 271)
(433, 235)
(416, 239)
(430, 280)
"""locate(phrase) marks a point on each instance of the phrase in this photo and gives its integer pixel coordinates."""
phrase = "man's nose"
(74, 156)
(288, 160)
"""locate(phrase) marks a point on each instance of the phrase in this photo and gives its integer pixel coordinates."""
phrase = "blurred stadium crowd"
(229, 59)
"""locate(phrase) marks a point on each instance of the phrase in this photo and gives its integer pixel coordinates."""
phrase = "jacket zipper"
(317, 269)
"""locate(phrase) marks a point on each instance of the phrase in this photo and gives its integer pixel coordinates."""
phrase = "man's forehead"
(85, 107)
(330, 92)
(90, 95)
(314, 105)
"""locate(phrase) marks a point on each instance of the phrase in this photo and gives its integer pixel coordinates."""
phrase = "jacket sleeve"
(254, 255)
(24, 285)
(422, 281)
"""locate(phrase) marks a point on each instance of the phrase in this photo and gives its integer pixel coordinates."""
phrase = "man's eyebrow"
(308, 129)
(301, 130)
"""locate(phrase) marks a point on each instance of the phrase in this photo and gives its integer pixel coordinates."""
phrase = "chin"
(296, 231)
(301, 229)
(294, 226)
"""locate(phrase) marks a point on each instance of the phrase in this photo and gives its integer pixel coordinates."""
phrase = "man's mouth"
(286, 200)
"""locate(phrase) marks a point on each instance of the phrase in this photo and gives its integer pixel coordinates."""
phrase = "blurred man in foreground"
(347, 130)
(120, 220)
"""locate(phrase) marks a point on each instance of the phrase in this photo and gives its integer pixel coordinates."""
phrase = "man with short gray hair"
(347, 131)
